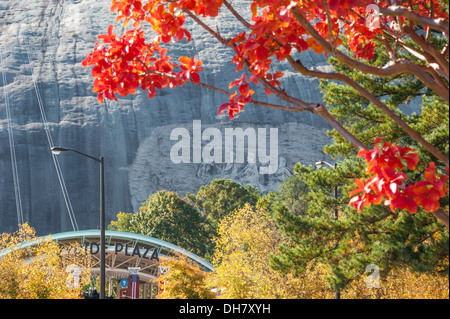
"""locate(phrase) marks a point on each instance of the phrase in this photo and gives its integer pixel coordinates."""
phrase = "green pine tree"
(377, 236)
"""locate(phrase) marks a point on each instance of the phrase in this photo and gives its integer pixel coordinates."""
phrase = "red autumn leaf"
(262, 53)
(357, 203)
(388, 178)
(223, 107)
(430, 205)
(238, 82)
(245, 90)
(430, 173)
(121, 65)
(405, 203)
(359, 182)
(412, 160)
(419, 189)
(195, 77)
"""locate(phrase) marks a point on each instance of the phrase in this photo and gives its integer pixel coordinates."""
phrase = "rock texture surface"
(132, 134)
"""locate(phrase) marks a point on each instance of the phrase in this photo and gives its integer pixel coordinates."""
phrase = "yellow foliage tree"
(184, 280)
(247, 238)
(39, 268)
(402, 284)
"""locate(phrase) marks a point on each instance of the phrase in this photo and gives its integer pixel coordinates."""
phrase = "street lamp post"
(337, 293)
(57, 151)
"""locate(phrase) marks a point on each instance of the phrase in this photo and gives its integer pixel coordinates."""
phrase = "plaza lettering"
(144, 252)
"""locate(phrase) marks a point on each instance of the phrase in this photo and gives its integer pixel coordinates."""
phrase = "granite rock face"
(133, 134)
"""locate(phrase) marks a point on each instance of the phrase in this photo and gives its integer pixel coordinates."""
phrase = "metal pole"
(335, 198)
(337, 294)
(57, 150)
(102, 229)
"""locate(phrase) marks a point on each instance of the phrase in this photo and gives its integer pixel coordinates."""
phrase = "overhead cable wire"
(18, 198)
(51, 144)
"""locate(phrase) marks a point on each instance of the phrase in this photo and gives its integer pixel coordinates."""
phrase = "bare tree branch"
(431, 50)
(316, 108)
(440, 24)
(393, 69)
(216, 89)
(343, 78)
(298, 66)
(441, 216)
(301, 105)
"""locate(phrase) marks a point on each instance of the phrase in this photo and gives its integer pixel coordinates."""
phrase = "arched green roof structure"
(127, 250)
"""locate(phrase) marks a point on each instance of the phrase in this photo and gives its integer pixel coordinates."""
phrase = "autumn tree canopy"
(39, 268)
(168, 217)
(412, 34)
